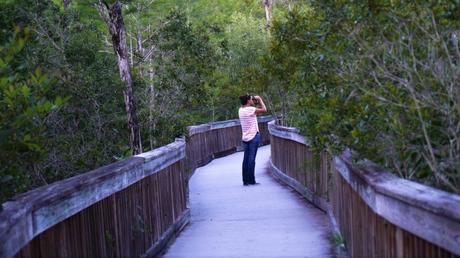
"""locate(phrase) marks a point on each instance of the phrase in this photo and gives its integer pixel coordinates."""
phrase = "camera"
(256, 101)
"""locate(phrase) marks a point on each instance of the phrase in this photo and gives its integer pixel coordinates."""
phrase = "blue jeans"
(249, 160)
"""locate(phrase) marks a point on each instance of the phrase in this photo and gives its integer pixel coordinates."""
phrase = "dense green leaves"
(180, 54)
(377, 77)
(380, 77)
(25, 102)
(85, 87)
(178, 95)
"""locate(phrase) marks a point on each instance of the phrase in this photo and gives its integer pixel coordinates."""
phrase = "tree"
(25, 103)
(139, 30)
(113, 17)
(184, 63)
(378, 77)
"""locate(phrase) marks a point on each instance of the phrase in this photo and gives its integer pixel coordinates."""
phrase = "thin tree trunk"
(268, 12)
(141, 51)
(140, 47)
(131, 53)
(152, 120)
(113, 17)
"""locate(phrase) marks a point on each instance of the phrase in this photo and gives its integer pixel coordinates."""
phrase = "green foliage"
(184, 59)
(377, 77)
(201, 12)
(25, 102)
(246, 42)
(193, 75)
(89, 130)
(413, 87)
(380, 77)
(299, 63)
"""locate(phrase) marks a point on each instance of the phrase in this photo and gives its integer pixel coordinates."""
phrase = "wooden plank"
(91, 241)
(305, 192)
(196, 129)
(168, 235)
(426, 212)
(94, 214)
(289, 133)
(409, 206)
(46, 206)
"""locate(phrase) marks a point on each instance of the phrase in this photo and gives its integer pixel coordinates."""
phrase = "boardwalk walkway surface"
(264, 220)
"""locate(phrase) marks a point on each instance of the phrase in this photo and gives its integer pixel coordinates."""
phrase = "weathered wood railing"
(205, 142)
(119, 210)
(130, 208)
(377, 213)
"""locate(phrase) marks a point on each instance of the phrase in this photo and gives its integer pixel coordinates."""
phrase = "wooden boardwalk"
(264, 220)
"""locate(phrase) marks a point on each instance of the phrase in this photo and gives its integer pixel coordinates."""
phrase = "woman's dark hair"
(244, 99)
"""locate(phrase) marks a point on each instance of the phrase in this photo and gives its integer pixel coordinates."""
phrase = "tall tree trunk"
(140, 47)
(151, 72)
(268, 12)
(113, 17)
(152, 120)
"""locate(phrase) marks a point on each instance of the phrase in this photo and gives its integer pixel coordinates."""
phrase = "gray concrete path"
(264, 220)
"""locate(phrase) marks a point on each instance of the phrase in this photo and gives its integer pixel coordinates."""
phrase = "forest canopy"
(379, 77)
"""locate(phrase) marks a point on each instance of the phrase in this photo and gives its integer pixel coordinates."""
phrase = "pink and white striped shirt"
(248, 120)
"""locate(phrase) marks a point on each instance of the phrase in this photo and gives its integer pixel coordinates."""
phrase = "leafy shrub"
(380, 78)
(25, 103)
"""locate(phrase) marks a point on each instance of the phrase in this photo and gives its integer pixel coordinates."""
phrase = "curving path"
(264, 220)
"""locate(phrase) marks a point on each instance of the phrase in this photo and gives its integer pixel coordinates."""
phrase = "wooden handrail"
(33, 212)
(195, 129)
(144, 195)
(418, 213)
(425, 211)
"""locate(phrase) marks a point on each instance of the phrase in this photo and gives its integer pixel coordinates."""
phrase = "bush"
(380, 78)
(25, 103)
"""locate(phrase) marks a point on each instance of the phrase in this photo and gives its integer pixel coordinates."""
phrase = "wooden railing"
(205, 142)
(130, 208)
(120, 210)
(377, 213)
